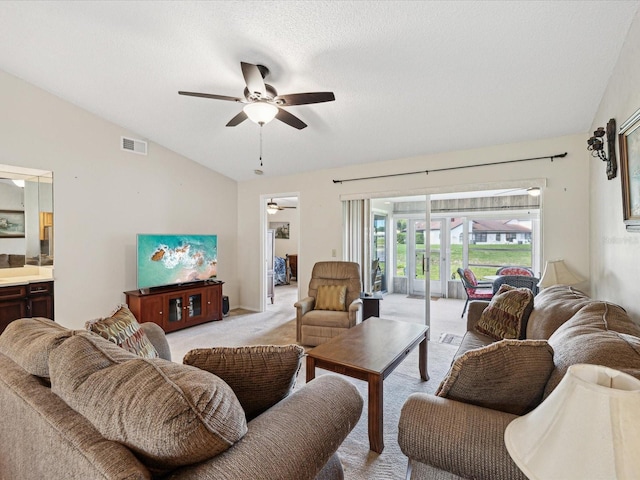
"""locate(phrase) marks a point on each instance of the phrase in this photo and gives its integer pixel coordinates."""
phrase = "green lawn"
(483, 259)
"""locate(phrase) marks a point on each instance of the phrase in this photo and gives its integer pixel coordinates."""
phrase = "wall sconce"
(596, 147)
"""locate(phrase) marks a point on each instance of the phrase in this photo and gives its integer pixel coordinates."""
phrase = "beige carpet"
(277, 326)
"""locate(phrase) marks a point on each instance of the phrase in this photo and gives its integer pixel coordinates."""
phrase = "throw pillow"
(331, 297)
(509, 375)
(507, 313)
(260, 375)
(122, 328)
(168, 414)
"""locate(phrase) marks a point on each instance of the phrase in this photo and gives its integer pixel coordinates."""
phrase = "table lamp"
(557, 273)
(587, 428)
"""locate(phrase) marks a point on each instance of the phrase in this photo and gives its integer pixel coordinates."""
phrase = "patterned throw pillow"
(331, 297)
(507, 314)
(259, 375)
(509, 376)
(123, 329)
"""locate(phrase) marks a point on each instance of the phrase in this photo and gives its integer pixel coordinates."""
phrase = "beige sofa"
(76, 406)
(463, 437)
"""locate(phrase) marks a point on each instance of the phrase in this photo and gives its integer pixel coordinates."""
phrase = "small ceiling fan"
(262, 102)
(273, 207)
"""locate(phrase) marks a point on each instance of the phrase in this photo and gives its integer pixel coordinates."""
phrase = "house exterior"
(485, 232)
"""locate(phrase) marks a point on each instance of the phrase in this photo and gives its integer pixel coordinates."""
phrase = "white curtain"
(357, 236)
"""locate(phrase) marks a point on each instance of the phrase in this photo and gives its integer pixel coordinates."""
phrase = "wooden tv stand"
(178, 306)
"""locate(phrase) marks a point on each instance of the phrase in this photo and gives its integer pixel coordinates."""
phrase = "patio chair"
(517, 281)
(524, 271)
(475, 290)
(376, 276)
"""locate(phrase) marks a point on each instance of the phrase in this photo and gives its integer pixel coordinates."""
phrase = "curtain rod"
(550, 157)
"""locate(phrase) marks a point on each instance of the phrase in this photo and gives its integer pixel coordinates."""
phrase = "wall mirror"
(26, 217)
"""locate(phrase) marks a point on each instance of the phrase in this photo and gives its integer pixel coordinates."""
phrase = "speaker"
(225, 305)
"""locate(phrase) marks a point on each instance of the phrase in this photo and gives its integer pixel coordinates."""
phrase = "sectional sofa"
(459, 432)
(77, 406)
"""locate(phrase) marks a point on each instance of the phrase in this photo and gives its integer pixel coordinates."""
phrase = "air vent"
(133, 145)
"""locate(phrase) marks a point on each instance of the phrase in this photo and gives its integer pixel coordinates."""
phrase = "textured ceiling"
(410, 78)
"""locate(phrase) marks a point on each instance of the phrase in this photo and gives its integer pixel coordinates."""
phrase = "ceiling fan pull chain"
(261, 144)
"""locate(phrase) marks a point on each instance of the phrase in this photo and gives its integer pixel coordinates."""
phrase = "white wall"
(565, 200)
(290, 245)
(615, 253)
(104, 196)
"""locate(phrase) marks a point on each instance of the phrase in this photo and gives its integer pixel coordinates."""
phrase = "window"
(510, 243)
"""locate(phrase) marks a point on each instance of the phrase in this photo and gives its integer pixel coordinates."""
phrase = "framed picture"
(11, 224)
(281, 228)
(629, 138)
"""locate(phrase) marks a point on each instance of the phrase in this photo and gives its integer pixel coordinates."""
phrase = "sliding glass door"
(379, 252)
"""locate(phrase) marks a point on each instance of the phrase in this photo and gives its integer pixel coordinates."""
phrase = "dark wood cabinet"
(293, 265)
(177, 307)
(29, 300)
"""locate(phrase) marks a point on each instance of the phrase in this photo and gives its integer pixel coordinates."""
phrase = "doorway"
(281, 234)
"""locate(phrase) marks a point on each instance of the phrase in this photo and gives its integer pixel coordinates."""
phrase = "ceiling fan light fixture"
(260, 112)
(272, 208)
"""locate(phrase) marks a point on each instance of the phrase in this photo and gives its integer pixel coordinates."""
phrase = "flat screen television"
(175, 259)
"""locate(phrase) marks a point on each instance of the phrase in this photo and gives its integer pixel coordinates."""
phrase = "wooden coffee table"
(370, 351)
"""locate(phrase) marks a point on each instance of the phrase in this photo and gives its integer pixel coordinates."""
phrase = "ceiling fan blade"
(253, 78)
(306, 98)
(239, 118)
(290, 119)
(211, 95)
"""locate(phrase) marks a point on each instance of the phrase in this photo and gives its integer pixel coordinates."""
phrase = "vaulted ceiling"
(409, 77)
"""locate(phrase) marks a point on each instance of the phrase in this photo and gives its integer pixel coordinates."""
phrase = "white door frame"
(264, 226)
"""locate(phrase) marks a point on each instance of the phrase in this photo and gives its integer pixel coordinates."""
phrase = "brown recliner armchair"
(314, 326)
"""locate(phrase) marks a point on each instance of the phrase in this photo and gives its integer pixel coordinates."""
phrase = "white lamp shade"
(260, 112)
(557, 273)
(587, 428)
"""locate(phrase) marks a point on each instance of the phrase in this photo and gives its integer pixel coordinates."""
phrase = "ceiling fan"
(262, 102)
(273, 207)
